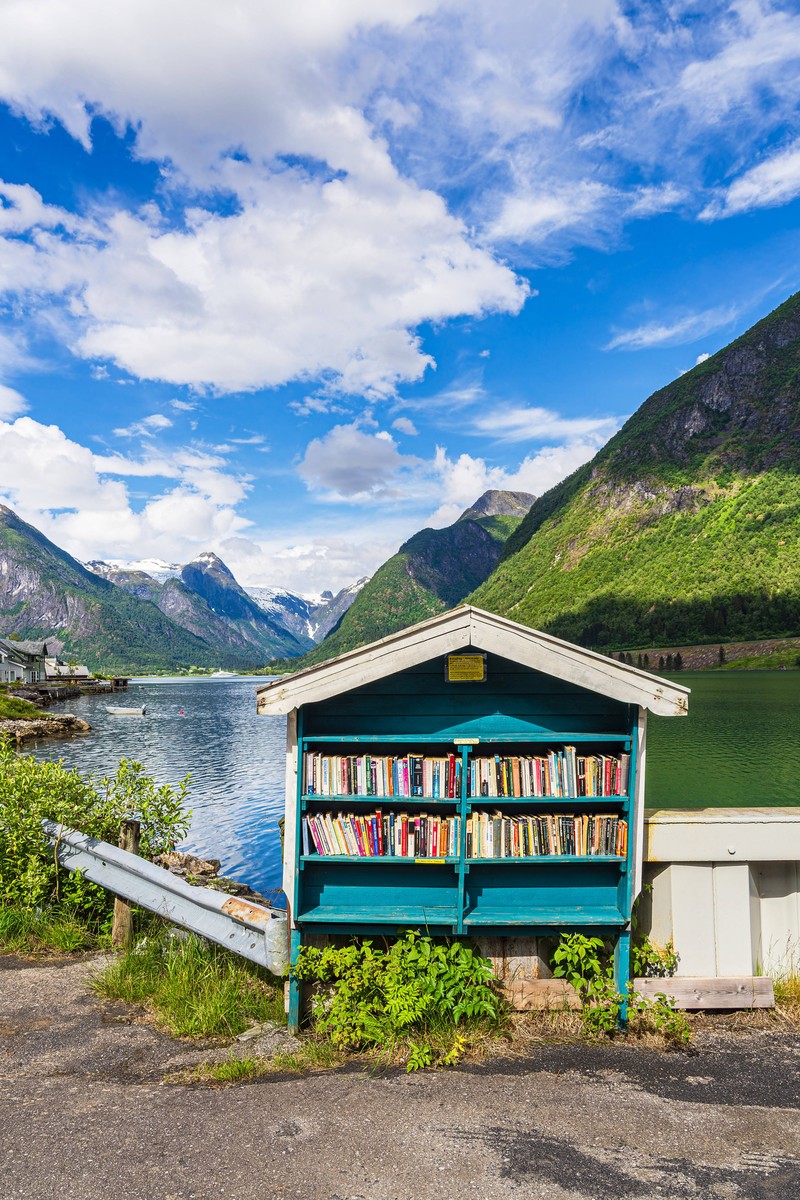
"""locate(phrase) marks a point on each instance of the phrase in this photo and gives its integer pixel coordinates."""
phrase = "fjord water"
(206, 728)
(739, 746)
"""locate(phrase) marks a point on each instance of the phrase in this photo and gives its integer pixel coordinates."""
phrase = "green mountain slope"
(685, 526)
(432, 571)
(45, 592)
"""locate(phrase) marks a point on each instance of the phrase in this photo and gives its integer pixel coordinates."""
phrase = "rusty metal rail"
(251, 930)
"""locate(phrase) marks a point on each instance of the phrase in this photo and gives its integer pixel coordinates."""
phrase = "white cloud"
(62, 488)
(147, 427)
(348, 464)
(674, 332)
(701, 358)
(404, 425)
(774, 181)
(12, 403)
(521, 423)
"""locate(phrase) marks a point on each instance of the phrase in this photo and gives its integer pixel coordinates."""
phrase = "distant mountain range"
(113, 617)
(434, 570)
(684, 527)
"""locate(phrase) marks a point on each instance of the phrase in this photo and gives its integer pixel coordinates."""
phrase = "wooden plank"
(690, 992)
(524, 995)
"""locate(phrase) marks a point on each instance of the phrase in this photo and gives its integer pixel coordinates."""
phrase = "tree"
(722, 654)
(678, 662)
(647, 660)
(669, 662)
(661, 662)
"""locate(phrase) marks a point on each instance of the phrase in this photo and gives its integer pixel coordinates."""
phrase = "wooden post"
(122, 930)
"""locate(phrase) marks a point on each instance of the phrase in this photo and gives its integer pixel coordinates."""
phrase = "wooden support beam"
(122, 929)
(526, 994)
(733, 991)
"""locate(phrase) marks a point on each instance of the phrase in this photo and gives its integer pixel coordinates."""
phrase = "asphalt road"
(85, 1114)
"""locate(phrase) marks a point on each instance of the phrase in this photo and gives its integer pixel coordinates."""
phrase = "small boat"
(126, 712)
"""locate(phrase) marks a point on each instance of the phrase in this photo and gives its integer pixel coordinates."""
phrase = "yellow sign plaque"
(465, 668)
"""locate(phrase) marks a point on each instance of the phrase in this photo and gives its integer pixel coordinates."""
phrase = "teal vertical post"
(622, 971)
(295, 986)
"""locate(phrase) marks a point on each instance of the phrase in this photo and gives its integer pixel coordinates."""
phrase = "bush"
(416, 992)
(30, 791)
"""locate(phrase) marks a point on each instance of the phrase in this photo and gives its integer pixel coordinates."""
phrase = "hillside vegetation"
(684, 527)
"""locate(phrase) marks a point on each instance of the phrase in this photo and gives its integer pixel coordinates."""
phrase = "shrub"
(31, 790)
(417, 992)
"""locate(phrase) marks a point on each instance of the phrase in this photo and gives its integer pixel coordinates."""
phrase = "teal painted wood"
(294, 1013)
(518, 711)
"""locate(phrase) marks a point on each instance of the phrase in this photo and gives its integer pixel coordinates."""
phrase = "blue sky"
(291, 282)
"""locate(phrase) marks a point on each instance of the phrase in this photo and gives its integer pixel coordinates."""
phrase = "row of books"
(561, 773)
(406, 775)
(496, 835)
(488, 835)
(373, 835)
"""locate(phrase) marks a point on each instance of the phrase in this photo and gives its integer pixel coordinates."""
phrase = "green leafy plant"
(30, 877)
(585, 963)
(649, 961)
(369, 997)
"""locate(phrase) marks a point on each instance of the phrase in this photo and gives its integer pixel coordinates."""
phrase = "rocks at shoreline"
(205, 873)
(46, 726)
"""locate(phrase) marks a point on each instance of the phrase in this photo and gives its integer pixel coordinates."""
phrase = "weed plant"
(192, 988)
(417, 1000)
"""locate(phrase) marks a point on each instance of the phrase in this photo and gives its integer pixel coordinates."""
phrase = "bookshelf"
(535, 773)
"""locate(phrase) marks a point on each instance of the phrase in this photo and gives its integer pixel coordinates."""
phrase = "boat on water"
(126, 712)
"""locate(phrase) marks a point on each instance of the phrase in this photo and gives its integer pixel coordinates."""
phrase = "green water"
(739, 746)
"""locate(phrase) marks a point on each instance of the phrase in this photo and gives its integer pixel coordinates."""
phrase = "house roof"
(60, 670)
(472, 627)
(33, 649)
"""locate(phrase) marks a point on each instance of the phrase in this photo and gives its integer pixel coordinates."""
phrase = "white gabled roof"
(456, 630)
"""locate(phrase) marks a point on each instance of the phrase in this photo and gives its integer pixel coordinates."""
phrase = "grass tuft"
(192, 988)
(57, 931)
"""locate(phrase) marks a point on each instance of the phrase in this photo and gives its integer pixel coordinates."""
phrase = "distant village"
(35, 664)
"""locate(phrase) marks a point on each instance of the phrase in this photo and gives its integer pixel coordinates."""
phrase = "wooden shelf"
(377, 915)
(547, 916)
(381, 801)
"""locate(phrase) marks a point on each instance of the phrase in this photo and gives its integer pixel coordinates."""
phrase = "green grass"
(191, 988)
(25, 932)
(14, 709)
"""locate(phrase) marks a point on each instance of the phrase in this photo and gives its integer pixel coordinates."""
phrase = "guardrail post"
(122, 930)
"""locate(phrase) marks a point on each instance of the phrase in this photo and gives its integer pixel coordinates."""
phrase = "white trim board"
(472, 627)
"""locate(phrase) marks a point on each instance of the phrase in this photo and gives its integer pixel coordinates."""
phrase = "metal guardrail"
(251, 930)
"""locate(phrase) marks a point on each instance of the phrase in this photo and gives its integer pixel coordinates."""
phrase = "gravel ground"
(85, 1112)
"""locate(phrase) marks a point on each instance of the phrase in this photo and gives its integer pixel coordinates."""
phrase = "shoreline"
(64, 725)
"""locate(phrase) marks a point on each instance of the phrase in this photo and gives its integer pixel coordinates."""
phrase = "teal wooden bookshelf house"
(466, 776)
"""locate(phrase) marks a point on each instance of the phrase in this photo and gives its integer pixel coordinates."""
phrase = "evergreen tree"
(669, 662)
(678, 662)
(722, 654)
(661, 662)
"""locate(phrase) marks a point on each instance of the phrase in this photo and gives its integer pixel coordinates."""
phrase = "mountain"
(432, 571)
(44, 591)
(208, 578)
(232, 624)
(683, 528)
(308, 616)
